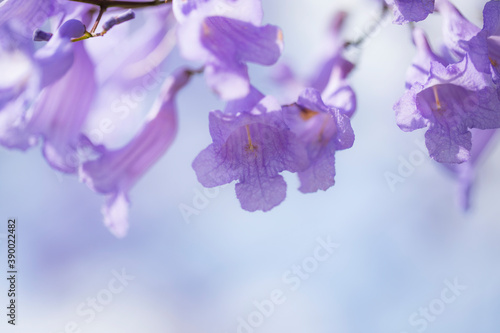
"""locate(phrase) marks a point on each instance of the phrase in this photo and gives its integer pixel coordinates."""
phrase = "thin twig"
(124, 4)
(96, 23)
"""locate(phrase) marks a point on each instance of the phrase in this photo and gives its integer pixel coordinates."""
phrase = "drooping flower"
(28, 14)
(57, 56)
(55, 103)
(449, 100)
(405, 11)
(484, 47)
(333, 58)
(253, 145)
(457, 30)
(224, 36)
(323, 130)
(115, 172)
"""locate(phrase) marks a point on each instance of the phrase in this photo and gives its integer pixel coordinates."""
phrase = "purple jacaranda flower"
(451, 100)
(126, 56)
(115, 172)
(28, 15)
(410, 10)
(16, 53)
(216, 34)
(59, 109)
(243, 10)
(484, 47)
(333, 58)
(57, 56)
(323, 130)
(118, 19)
(251, 144)
(41, 36)
(129, 67)
(465, 173)
(329, 76)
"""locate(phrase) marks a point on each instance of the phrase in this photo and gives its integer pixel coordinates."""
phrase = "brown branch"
(123, 4)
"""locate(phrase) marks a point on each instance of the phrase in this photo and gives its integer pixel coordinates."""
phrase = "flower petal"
(256, 193)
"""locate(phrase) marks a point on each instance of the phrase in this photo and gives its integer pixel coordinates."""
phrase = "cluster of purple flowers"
(56, 87)
(454, 93)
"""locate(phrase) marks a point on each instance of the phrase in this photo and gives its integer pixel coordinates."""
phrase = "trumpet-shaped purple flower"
(212, 32)
(410, 10)
(57, 56)
(114, 172)
(243, 10)
(66, 79)
(457, 30)
(451, 100)
(323, 130)
(251, 145)
(330, 76)
(484, 48)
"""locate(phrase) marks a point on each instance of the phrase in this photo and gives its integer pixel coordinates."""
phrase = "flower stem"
(102, 9)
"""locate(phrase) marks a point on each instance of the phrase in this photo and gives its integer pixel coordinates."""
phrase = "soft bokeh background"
(396, 248)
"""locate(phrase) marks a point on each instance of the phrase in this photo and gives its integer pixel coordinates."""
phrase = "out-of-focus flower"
(410, 10)
(219, 35)
(465, 173)
(323, 130)
(55, 102)
(114, 172)
(449, 99)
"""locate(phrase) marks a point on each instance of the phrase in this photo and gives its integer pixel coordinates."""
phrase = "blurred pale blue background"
(396, 248)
